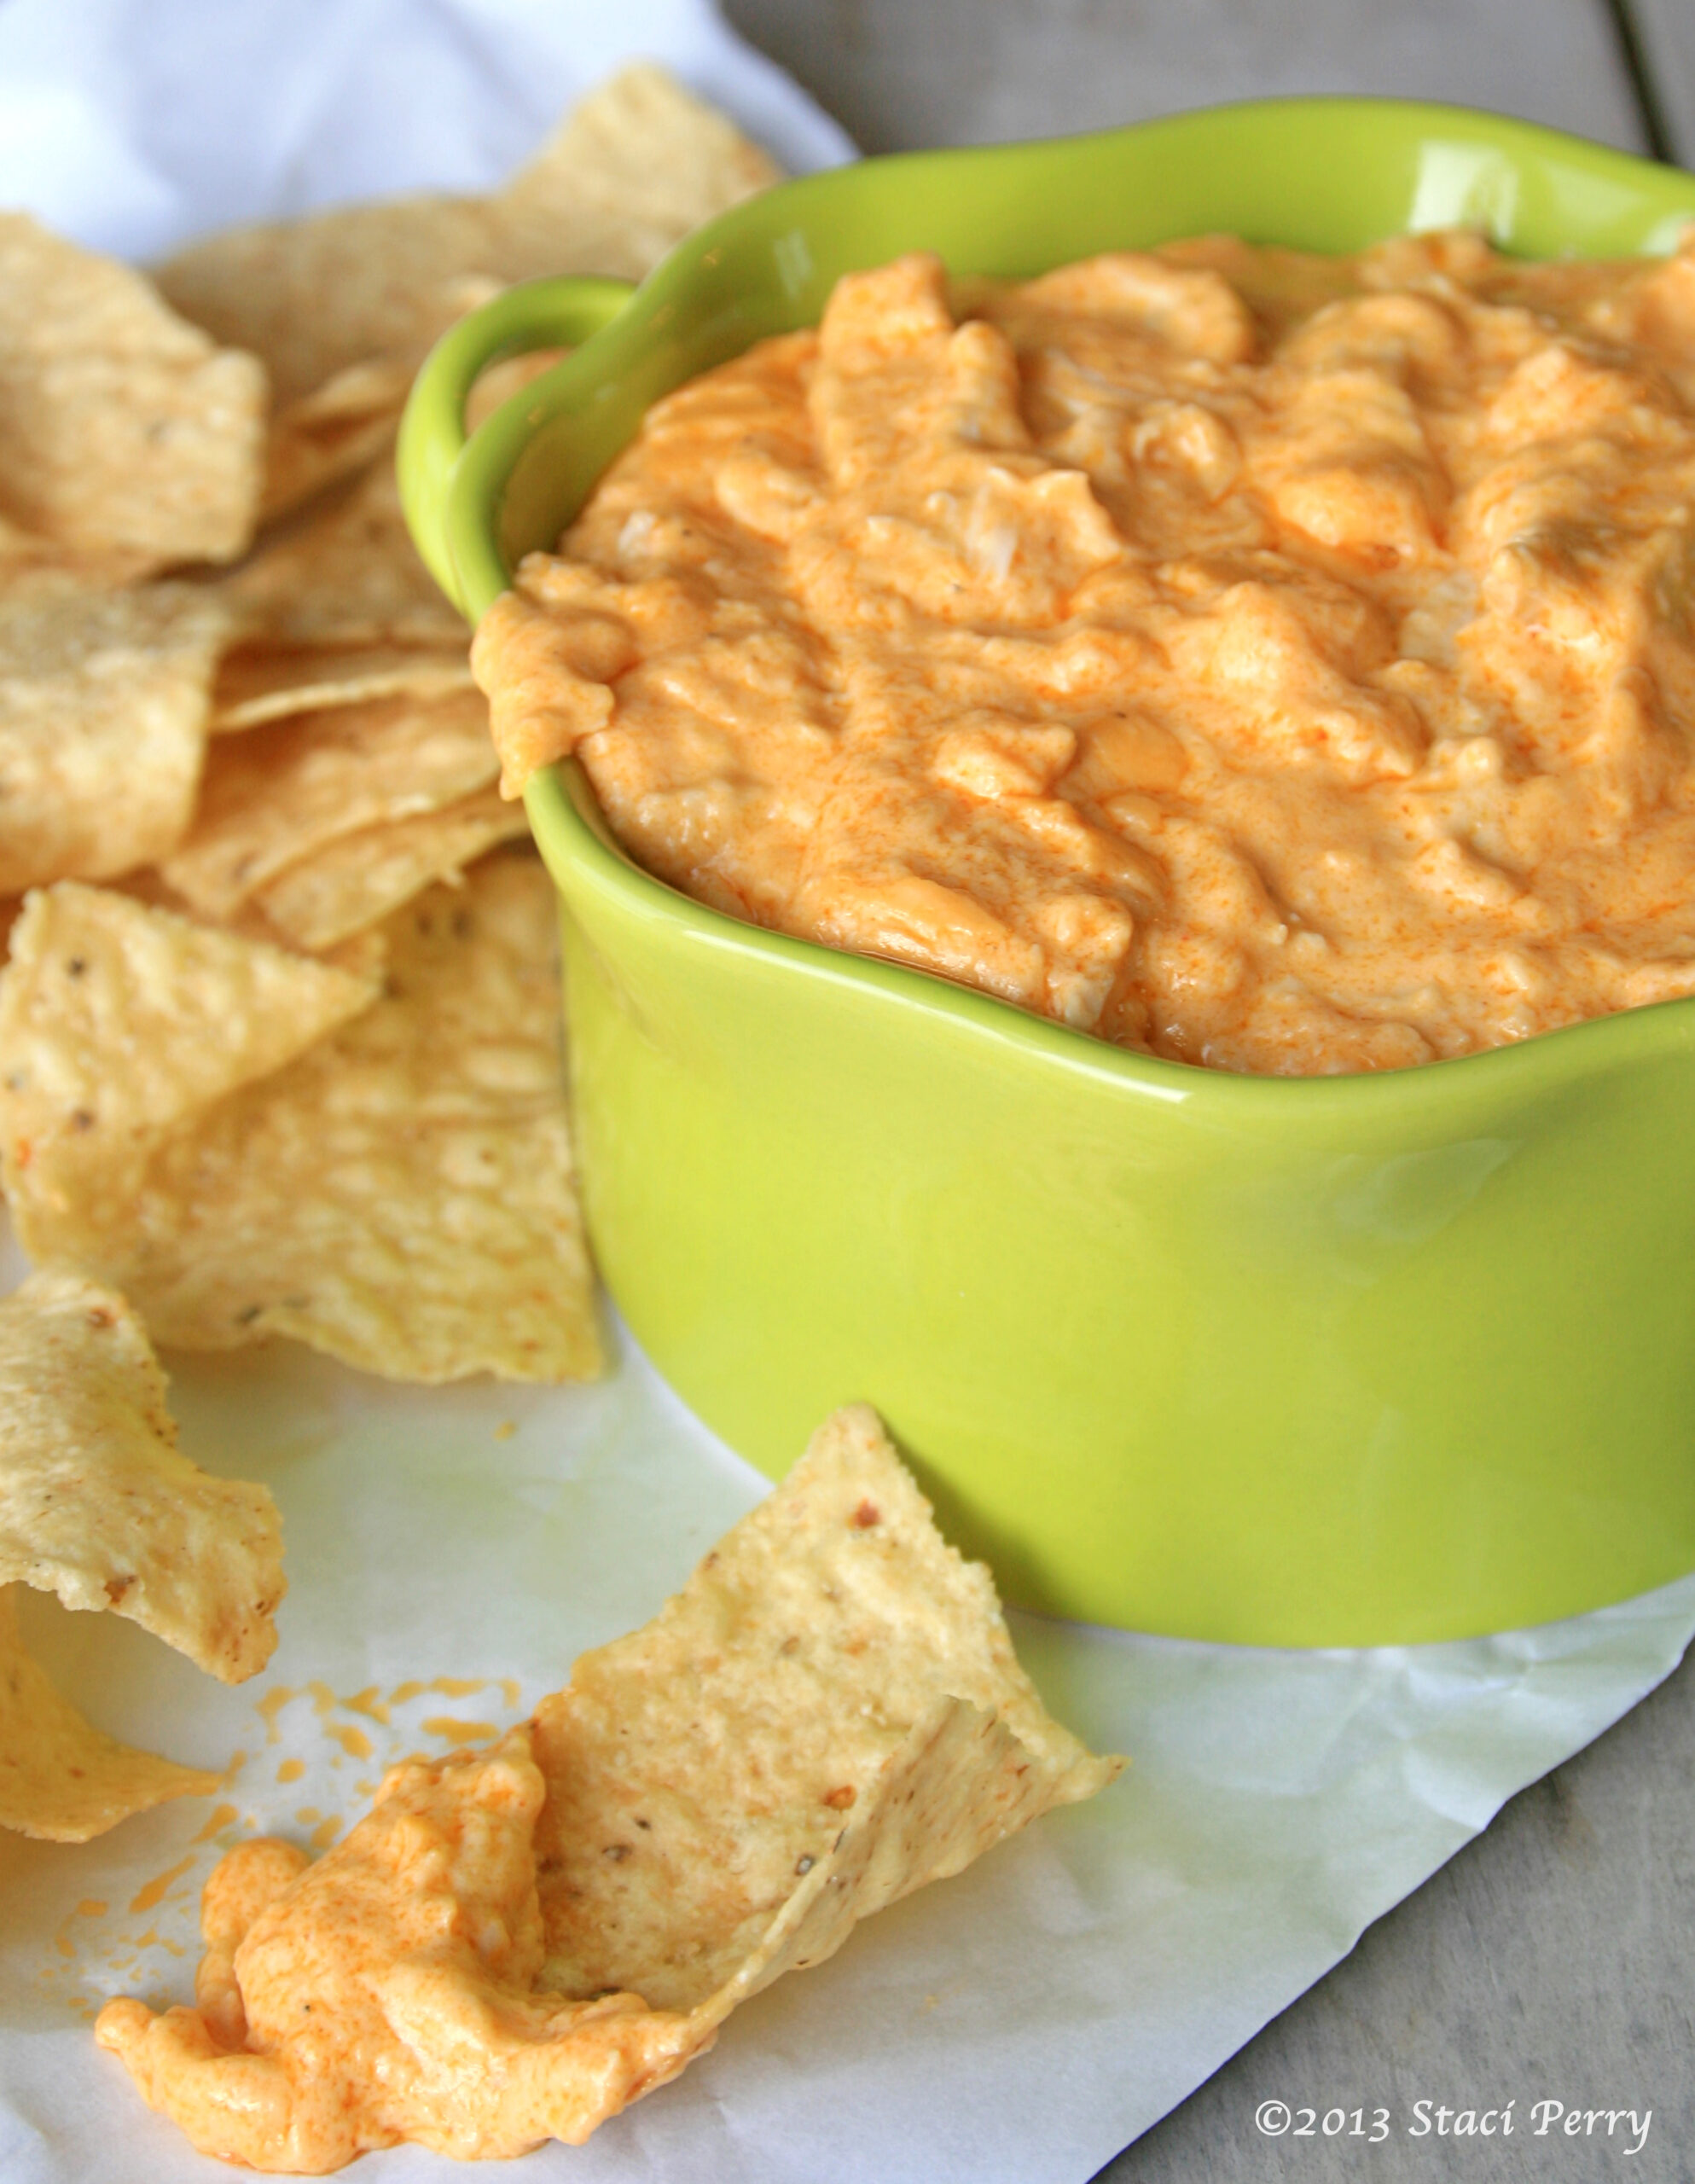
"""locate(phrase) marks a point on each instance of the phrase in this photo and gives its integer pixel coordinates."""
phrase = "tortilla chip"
(345, 572)
(347, 886)
(498, 382)
(256, 683)
(38, 569)
(277, 793)
(315, 297)
(653, 159)
(118, 1022)
(362, 956)
(638, 165)
(124, 427)
(104, 704)
(829, 1715)
(97, 1502)
(335, 430)
(402, 1194)
(60, 1778)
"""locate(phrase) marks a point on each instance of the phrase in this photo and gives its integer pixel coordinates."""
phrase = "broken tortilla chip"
(61, 1778)
(401, 1195)
(97, 1502)
(516, 1943)
(281, 792)
(105, 699)
(342, 889)
(124, 427)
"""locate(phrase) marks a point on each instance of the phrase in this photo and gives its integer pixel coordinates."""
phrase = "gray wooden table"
(1551, 1961)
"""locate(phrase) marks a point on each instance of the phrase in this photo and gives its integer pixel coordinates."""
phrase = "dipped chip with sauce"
(518, 1942)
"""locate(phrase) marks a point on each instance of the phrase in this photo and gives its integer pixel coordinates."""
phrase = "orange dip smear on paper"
(423, 1942)
(1262, 660)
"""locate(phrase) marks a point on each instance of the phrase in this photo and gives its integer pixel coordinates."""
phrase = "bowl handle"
(552, 314)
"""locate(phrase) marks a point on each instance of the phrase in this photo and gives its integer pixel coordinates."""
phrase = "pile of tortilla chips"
(279, 1022)
(278, 1036)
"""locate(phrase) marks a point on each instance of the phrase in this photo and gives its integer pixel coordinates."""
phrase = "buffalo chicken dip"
(1269, 661)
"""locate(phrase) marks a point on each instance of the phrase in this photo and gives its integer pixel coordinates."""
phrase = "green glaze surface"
(1329, 1361)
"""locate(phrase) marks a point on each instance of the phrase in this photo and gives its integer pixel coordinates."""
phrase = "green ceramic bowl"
(1326, 1362)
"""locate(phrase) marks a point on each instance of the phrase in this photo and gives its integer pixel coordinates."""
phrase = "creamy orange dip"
(1264, 661)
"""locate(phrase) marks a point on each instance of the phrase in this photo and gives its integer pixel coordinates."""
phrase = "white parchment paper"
(1023, 2021)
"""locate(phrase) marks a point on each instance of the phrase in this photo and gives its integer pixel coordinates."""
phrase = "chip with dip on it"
(518, 1942)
